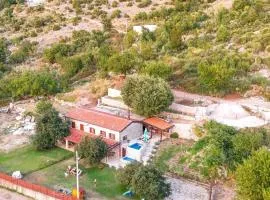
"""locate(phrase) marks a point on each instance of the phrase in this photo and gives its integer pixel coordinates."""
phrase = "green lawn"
(27, 159)
(107, 183)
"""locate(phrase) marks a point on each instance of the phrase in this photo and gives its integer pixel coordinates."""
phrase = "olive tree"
(146, 95)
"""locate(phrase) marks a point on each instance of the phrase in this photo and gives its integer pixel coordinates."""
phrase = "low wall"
(31, 190)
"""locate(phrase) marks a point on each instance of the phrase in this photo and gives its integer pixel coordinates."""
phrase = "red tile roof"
(158, 123)
(99, 118)
(77, 135)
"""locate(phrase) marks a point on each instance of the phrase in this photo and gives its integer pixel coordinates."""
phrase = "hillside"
(208, 47)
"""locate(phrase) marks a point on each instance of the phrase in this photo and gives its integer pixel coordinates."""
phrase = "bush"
(146, 95)
(157, 69)
(114, 4)
(122, 63)
(30, 83)
(57, 52)
(116, 14)
(144, 3)
(174, 135)
(252, 177)
(19, 56)
(223, 34)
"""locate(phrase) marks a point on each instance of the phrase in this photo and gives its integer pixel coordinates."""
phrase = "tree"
(149, 183)
(158, 69)
(146, 95)
(49, 128)
(126, 174)
(92, 149)
(122, 63)
(252, 177)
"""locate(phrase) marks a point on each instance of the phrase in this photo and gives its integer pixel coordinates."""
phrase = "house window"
(92, 130)
(125, 137)
(81, 127)
(73, 125)
(103, 133)
(112, 136)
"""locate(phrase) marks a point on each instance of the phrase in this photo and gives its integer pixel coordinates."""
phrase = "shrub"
(252, 177)
(174, 135)
(114, 4)
(223, 34)
(57, 51)
(116, 14)
(144, 3)
(157, 69)
(30, 83)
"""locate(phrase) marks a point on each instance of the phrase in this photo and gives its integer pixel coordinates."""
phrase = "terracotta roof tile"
(158, 123)
(99, 118)
(77, 135)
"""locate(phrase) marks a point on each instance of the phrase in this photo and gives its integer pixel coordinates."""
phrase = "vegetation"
(140, 177)
(49, 128)
(216, 155)
(253, 176)
(146, 95)
(29, 84)
(92, 149)
(30, 160)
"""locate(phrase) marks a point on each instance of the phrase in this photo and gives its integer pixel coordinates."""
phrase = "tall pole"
(77, 175)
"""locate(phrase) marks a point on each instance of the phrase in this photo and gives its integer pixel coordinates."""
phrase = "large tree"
(146, 95)
(126, 174)
(149, 183)
(92, 149)
(253, 177)
(49, 127)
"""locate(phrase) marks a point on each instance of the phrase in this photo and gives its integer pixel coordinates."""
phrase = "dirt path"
(9, 195)
(250, 102)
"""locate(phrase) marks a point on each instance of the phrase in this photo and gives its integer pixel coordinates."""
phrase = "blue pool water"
(136, 146)
(128, 159)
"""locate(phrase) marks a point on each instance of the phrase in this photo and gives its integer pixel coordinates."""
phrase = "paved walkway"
(9, 195)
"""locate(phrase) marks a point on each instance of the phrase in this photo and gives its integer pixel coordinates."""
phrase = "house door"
(124, 152)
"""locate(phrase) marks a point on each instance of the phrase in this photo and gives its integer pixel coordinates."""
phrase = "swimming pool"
(136, 146)
(128, 159)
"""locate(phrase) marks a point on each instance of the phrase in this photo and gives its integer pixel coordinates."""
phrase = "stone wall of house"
(133, 131)
(98, 129)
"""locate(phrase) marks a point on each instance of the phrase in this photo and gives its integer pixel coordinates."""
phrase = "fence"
(30, 189)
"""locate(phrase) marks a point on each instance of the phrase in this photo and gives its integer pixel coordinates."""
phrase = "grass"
(161, 160)
(107, 184)
(27, 159)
